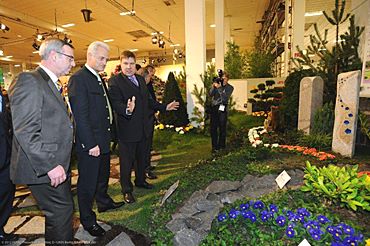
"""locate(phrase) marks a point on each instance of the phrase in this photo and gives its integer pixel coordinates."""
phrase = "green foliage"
(289, 103)
(364, 124)
(318, 141)
(323, 121)
(259, 64)
(235, 61)
(178, 117)
(181, 79)
(338, 184)
(265, 96)
(291, 137)
(342, 57)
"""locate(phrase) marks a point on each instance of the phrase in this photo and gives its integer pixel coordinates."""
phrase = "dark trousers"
(93, 177)
(7, 190)
(57, 205)
(132, 154)
(218, 128)
(149, 147)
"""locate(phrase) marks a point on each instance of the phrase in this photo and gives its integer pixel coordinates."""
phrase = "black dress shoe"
(145, 185)
(8, 238)
(113, 205)
(95, 230)
(128, 197)
(150, 175)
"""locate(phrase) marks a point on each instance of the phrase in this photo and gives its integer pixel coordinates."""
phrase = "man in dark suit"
(43, 138)
(94, 119)
(7, 188)
(134, 126)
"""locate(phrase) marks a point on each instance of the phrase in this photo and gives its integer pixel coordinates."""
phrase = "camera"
(219, 79)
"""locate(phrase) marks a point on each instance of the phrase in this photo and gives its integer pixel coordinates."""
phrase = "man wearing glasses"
(94, 120)
(43, 138)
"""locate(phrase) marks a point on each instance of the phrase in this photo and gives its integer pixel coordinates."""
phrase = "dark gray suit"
(43, 137)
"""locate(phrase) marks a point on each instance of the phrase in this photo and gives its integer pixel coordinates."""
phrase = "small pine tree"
(265, 96)
(235, 61)
(171, 93)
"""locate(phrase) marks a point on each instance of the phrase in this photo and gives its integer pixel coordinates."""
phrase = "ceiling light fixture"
(68, 25)
(67, 40)
(1, 52)
(310, 14)
(4, 27)
(86, 13)
(130, 13)
(174, 45)
(108, 40)
(35, 45)
(212, 25)
(154, 38)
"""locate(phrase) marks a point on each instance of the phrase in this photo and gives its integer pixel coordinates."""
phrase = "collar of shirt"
(52, 76)
(93, 72)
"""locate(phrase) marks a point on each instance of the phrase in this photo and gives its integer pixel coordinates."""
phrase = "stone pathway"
(193, 221)
(30, 228)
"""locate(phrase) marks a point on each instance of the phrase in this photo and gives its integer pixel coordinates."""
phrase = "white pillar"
(24, 66)
(286, 38)
(195, 40)
(299, 8)
(227, 30)
(219, 34)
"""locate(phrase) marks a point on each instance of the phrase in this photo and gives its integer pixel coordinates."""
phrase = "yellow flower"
(368, 242)
(161, 126)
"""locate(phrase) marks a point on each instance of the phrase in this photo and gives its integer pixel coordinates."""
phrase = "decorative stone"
(28, 202)
(346, 110)
(186, 237)
(176, 225)
(155, 158)
(223, 186)
(121, 240)
(193, 223)
(38, 242)
(35, 226)
(14, 222)
(169, 192)
(83, 235)
(206, 205)
(310, 100)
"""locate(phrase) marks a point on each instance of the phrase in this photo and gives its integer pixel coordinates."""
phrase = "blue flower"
(330, 229)
(280, 220)
(245, 214)
(337, 233)
(322, 219)
(253, 217)
(348, 230)
(290, 232)
(303, 211)
(350, 240)
(244, 206)
(311, 224)
(222, 217)
(233, 213)
(258, 205)
(273, 208)
(264, 215)
(336, 243)
(316, 234)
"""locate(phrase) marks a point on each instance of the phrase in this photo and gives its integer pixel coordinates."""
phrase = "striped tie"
(66, 103)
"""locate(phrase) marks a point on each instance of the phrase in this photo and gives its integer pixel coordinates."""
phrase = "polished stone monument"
(346, 111)
(310, 99)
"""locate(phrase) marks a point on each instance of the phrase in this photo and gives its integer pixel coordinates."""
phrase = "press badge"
(221, 108)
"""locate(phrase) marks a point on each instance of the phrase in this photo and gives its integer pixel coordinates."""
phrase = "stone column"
(346, 111)
(227, 30)
(219, 34)
(195, 50)
(310, 100)
(299, 8)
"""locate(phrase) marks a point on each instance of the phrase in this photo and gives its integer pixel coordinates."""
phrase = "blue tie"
(1, 103)
(133, 80)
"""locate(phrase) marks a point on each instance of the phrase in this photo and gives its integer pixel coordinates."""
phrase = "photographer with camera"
(220, 94)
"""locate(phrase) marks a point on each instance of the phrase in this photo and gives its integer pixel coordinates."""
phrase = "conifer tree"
(172, 92)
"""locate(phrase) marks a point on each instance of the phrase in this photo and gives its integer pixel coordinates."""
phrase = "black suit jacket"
(43, 131)
(90, 111)
(5, 132)
(135, 127)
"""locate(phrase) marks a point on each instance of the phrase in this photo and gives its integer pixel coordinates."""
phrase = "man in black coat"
(7, 188)
(94, 120)
(134, 126)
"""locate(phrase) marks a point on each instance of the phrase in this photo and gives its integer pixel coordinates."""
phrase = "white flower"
(274, 145)
(266, 145)
(254, 145)
(263, 131)
(181, 132)
(258, 142)
(178, 129)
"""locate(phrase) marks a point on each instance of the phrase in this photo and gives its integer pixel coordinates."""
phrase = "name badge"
(222, 108)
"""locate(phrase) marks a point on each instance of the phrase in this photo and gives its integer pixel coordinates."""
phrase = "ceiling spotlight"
(86, 14)
(39, 37)
(67, 40)
(1, 52)
(4, 27)
(161, 43)
(154, 39)
(144, 61)
(35, 45)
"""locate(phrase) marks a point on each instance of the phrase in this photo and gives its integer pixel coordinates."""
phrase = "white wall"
(242, 88)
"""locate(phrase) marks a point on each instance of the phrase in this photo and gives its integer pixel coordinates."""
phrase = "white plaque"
(304, 243)
(282, 179)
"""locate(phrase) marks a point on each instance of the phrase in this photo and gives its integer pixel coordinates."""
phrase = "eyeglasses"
(71, 58)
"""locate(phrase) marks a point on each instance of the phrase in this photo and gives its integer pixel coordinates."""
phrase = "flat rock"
(38, 242)
(35, 226)
(187, 237)
(83, 235)
(206, 205)
(121, 240)
(222, 186)
(156, 158)
(193, 222)
(19, 242)
(28, 202)
(176, 225)
(206, 218)
(14, 222)
(154, 163)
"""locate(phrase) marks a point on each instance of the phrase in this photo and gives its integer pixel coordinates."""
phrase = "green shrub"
(235, 61)
(323, 121)
(339, 185)
(318, 141)
(172, 92)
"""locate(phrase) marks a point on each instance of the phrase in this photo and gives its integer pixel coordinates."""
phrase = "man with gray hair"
(43, 138)
(92, 112)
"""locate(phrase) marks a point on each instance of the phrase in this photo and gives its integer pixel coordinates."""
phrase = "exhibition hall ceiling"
(25, 18)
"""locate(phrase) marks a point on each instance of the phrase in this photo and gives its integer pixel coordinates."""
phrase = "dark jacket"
(132, 128)
(43, 131)
(5, 132)
(90, 111)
